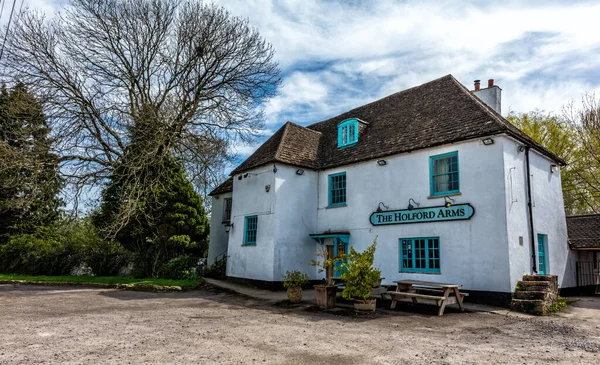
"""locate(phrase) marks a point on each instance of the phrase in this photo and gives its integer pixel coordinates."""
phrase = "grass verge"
(184, 284)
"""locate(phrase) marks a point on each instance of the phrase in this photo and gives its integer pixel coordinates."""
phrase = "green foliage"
(176, 268)
(42, 253)
(29, 171)
(168, 222)
(295, 279)
(564, 139)
(216, 270)
(358, 273)
(557, 306)
(55, 250)
(323, 263)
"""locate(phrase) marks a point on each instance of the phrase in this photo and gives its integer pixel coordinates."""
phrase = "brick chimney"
(492, 95)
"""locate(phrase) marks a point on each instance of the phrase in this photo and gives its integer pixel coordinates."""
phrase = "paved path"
(309, 296)
(270, 295)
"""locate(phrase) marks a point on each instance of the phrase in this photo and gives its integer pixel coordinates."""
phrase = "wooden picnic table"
(446, 293)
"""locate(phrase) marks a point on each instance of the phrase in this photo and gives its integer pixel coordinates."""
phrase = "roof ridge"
(305, 128)
(283, 135)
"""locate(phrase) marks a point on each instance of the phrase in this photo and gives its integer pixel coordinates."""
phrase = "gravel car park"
(82, 326)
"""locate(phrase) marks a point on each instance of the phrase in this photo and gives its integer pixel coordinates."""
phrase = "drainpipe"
(530, 211)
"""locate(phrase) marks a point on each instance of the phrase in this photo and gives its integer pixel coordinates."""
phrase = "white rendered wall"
(548, 215)
(296, 218)
(250, 198)
(218, 236)
(473, 253)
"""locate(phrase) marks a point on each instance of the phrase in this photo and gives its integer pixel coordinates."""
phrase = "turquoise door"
(542, 254)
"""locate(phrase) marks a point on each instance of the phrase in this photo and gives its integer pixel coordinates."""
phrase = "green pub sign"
(422, 215)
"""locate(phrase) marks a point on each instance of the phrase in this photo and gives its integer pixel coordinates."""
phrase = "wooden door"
(330, 270)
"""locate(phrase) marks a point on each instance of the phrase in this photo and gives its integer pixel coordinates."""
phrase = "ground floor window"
(250, 229)
(420, 254)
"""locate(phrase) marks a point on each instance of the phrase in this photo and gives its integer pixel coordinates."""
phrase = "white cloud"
(341, 54)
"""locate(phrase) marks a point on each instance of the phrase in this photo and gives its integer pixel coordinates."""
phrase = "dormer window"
(348, 133)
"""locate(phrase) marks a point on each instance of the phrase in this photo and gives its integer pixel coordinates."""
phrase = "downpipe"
(530, 211)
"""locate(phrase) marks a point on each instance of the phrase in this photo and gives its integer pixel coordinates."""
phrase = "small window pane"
(420, 254)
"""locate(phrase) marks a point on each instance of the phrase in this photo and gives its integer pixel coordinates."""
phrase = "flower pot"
(325, 295)
(367, 305)
(294, 294)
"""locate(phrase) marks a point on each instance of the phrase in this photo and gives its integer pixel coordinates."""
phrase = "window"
(420, 254)
(227, 210)
(250, 228)
(444, 174)
(348, 133)
(337, 189)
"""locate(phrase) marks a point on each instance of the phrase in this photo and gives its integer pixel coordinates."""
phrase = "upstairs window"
(337, 189)
(348, 133)
(227, 210)
(250, 230)
(444, 174)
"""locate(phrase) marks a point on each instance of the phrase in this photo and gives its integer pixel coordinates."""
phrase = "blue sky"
(337, 55)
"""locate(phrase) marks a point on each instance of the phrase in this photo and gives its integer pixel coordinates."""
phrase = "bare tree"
(187, 77)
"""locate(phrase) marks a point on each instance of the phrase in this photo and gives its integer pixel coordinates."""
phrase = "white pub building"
(450, 189)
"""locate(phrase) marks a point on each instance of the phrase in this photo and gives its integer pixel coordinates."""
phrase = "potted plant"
(360, 277)
(293, 281)
(325, 294)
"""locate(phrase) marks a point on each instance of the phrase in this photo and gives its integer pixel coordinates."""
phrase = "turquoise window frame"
(432, 176)
(412, 259)
(331, 189)
(350, 125)
(250, 230)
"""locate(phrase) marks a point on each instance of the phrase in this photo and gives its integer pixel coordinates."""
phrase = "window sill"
(420, 272)
(248, 244)
(336, 206)
(442, 196)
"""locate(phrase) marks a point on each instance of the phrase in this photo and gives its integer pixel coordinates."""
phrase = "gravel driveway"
(83, 326)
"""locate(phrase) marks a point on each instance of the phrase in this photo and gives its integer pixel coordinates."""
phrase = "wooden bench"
(413, 289)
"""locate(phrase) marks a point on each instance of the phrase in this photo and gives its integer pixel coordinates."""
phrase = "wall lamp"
(381, 162)
(379, 210)
(299, 172)
(553, 168)
(487, 141)
(228, 227)
(447, 202)
(410, 206)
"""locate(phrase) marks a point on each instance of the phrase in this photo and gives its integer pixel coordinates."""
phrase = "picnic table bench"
(442, 294)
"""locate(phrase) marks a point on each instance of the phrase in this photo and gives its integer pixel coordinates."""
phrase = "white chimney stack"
(492, 95)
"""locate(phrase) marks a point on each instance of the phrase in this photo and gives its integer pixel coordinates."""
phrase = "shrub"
(216, 270)
(43, 253)
(176, 268)
(295, 279)
(358, 273)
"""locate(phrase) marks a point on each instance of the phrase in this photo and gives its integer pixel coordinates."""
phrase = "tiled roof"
(225, 187)
(584, 231)
(291, 144)
(439, 112)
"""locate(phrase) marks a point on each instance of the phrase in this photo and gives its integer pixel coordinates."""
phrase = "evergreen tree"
(29, 171)
(169, 221)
